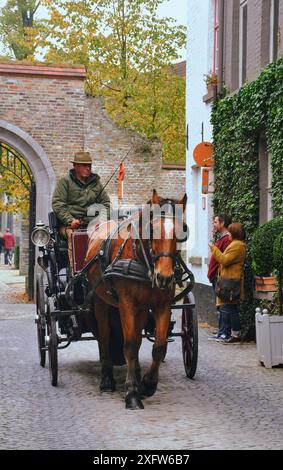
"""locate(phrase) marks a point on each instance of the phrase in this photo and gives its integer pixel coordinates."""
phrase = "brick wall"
(254, 38)
(265, 33)
(109, 143)
(280, 48)
(257, 39)
(231, 44)
(55, 112)
(49, 105)
(51, 110)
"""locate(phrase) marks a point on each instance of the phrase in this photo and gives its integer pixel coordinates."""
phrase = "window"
(274, 30)
(265, 182)
(216, 36)
(243, 41)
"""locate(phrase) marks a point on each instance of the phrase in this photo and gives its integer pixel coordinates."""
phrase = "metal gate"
(13, 162)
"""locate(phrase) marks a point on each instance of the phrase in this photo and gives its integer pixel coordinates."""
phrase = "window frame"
(243, 42)
(216, 37)
(274, 30)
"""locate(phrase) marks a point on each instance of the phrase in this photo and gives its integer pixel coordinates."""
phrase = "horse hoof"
(107, 384)
(148, 388)
(133, 402)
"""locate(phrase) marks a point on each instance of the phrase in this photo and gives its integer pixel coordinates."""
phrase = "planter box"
(264, 295)
(269, 338)
(266, 284)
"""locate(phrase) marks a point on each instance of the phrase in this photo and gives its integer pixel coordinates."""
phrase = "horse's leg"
(102, 316)
(140, 323)
(132, 341)
(150, 379)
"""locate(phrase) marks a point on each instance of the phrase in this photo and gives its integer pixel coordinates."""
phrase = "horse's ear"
(155, 199)
(183, 201)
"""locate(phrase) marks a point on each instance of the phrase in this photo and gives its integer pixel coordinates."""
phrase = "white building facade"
(201, 61)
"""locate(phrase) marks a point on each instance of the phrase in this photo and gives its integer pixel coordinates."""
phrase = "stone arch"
(38, 161)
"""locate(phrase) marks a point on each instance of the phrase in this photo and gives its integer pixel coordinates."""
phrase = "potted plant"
(269, 321)
(262, 255)
(211, 80)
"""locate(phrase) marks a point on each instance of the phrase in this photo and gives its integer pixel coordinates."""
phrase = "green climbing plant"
(238, 123)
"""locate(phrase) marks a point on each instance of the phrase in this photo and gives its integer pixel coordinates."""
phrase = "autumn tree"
(14, 182)
(128, 51)
(19, 28)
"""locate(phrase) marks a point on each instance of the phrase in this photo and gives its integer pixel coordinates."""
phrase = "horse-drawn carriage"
(70, 305)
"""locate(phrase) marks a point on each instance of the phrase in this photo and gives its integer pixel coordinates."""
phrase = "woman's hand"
(211, 245)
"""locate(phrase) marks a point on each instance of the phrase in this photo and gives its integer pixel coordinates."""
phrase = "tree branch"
(36, 7)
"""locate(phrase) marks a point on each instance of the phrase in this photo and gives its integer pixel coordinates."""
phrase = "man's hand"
(75, 223)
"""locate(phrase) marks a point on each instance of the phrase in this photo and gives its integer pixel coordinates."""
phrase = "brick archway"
(37, 160)
(43, 180)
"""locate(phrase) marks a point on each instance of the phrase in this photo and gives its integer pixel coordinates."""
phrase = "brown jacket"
(231, 263)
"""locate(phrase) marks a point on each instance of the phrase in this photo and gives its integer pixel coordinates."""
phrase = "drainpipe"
(220, 71)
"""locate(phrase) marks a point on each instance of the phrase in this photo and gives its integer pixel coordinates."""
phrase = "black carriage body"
(54, 261)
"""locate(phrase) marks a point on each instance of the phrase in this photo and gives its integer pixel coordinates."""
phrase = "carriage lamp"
(40, 235)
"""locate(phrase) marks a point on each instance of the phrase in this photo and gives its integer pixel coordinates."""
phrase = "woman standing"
(231, 263)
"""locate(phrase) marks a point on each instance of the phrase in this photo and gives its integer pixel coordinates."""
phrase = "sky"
(176, 9)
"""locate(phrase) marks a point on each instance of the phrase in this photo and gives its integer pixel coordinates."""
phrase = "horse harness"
(135, 269)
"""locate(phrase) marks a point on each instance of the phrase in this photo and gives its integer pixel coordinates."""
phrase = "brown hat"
(83, 158)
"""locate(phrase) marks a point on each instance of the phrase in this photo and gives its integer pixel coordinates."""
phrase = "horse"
(135, 298)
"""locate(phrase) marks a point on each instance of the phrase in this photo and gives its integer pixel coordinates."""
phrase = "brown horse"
(135, 298)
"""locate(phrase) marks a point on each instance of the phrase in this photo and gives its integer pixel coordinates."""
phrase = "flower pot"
(211, 87)
(266, 284)
(269, 338)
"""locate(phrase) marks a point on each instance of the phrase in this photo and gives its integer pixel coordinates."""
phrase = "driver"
(74, 195)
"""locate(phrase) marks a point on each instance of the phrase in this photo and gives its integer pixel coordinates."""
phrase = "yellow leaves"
(128, 51)
(21, 32)
(14, 195)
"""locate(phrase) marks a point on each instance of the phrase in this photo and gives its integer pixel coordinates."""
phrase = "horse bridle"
(150, 262)
(162, 254)
(168, 214)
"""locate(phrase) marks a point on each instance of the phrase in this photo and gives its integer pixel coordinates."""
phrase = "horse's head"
(166, 222)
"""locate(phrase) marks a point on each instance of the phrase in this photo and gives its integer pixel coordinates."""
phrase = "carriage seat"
(79, 242)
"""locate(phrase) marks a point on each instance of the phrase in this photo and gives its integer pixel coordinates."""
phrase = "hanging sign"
(203, 154)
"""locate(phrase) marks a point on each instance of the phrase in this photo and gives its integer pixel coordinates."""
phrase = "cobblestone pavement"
(233, 403)
(12, 285)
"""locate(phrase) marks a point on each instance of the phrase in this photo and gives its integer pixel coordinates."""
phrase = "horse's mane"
(164, 201)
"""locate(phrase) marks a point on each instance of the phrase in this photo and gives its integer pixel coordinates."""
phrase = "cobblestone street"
(141, 157)
(233, 403)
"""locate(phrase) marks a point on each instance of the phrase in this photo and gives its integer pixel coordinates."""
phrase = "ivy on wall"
(238, 122)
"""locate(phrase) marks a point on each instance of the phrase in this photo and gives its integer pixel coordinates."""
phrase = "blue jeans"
(230, 317)
(8, 256)
(221, 325)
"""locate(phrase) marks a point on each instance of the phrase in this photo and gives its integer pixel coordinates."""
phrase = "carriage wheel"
(41, 319)
(189, 338)
(52, 350)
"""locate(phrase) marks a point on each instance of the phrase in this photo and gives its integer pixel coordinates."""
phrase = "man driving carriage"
(74, 196)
